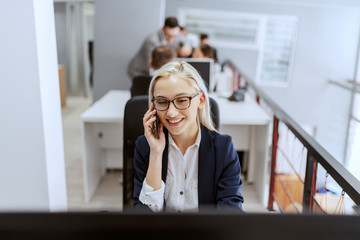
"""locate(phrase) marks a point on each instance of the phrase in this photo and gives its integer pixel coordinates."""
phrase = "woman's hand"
(157, 146)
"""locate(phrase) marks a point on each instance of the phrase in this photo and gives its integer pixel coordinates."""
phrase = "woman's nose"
(172, 111)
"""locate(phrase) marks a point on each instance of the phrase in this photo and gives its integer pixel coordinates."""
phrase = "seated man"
(159, 57)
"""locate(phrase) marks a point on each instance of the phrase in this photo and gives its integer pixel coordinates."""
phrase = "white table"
(102, 134)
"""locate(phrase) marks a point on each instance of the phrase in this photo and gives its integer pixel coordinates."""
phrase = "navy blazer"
(219, 182)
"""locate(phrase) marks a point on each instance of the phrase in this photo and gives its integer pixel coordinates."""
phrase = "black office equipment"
(205, 226)
(205, 67)
(140, 85)
(215, 113)
(238, 95)
(156, 127)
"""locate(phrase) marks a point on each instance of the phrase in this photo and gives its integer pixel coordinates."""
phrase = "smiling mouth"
(175, 122)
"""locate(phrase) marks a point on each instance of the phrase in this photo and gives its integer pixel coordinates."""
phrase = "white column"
(32, 171)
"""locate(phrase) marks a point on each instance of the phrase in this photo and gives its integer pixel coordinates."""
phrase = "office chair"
(140, 85)
(135, 109)
(215, 114)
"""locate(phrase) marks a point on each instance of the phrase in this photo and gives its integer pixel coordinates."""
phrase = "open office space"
(297, 129)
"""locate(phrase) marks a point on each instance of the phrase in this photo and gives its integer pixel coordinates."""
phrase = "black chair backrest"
(215, 113)
(135, 109)
(140, 85)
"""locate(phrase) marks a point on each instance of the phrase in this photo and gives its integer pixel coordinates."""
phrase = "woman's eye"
(181, 100)
(162, 102)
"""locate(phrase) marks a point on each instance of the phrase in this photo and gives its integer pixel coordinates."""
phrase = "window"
(272, 36)
(225, 29)
(276, 55)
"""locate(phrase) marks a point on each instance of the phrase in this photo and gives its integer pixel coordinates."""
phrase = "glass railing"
(304, 177)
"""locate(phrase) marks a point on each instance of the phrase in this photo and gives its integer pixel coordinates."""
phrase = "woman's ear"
(202, 101)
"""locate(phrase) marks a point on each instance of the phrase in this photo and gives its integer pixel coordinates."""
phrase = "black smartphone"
(156, 127)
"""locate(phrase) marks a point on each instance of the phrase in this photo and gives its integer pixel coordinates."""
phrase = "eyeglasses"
(180, 103)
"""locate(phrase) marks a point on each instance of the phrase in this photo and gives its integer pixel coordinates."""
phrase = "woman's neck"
(187, 139)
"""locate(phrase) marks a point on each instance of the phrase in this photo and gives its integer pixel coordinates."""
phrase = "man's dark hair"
(171, 22)
(208, 51)
(203, 36)
(162, 55)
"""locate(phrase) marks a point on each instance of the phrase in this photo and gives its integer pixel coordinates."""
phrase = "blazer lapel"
(206, 169)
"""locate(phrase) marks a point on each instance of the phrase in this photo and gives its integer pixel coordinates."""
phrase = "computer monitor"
(200, 226)
(205, 67)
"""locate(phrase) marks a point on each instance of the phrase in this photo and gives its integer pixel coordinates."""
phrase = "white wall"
(326, 49)
(120, 28)
(32, 173)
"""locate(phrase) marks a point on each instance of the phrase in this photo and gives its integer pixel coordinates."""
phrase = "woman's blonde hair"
(189, 73)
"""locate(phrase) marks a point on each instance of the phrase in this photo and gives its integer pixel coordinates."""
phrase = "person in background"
(204, 40)
(160, 56)
(193, 39)
(169, 35)
(184, 51)
(222, 75)
(206, 51)
(189, 166)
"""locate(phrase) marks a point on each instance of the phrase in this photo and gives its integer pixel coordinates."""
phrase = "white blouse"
(181, 189)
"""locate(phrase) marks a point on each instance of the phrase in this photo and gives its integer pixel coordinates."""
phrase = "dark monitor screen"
(205, 68)
(177, 226)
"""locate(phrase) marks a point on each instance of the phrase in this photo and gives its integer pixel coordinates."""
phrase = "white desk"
(102, 135)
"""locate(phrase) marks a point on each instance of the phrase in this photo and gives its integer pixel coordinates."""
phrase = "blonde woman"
(187, 165)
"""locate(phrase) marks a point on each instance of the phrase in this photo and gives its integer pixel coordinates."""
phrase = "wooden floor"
(108, 196)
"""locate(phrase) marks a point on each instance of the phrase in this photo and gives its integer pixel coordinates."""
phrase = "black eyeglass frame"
(172, 101)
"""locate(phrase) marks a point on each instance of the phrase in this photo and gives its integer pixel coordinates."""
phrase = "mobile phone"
(156, 126)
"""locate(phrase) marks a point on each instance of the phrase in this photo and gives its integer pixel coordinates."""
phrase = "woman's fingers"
(149, 124)
(148, 115)
(151, 111)
(148, 121)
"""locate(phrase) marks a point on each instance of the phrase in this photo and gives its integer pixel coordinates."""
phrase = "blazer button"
(181, 193)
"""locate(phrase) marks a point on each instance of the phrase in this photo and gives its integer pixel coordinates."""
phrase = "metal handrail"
(339, 173)
(354, 85)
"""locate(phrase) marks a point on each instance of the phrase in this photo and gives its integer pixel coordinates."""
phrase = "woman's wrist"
(153, 176)
(155, 155)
